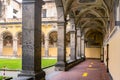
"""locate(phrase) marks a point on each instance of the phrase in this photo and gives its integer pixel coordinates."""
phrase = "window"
(14, 17)
(43, 13)
(15, 11)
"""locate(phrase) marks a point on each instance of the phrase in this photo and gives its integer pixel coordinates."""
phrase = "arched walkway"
(88, 20)
(87, 70)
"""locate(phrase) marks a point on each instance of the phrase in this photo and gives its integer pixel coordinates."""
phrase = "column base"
(102, 61)
(108, 70)
(78, 58)
(15, 55)
(83, 57)
(60, 66)
(30, 75)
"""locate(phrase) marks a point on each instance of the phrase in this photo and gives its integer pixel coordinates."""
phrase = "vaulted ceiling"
(90, 15)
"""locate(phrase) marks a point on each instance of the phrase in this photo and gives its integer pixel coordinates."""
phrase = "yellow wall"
(92, 52)
(114, 56)
(67, 51)
(43, 51)
(7, 51)
(53, 51)
(19, 51)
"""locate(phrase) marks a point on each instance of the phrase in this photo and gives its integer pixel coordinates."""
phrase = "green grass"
(48, 62)
(15, 64)
(10, 63)
(2, 78)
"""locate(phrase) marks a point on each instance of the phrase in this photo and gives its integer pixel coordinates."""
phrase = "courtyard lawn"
(15, 64)
(4, 78)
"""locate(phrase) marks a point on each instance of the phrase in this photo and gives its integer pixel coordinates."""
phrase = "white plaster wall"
(114, 56)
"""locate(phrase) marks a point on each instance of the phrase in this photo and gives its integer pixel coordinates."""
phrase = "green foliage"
(15, 64)
(4, 77)
(1, 77)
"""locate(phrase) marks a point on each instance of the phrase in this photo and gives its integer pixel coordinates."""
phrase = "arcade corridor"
(87, 70)
(94, 27)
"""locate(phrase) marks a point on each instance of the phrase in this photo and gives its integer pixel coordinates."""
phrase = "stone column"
(78, 43)
(31, 40)
(46, 46)
(82, 47)
(72, 41)
(1, 46)
(61, 57)
(102, 54)
(15, 47)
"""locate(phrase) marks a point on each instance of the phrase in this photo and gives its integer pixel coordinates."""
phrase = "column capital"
(77, 28)
(82, 39)
(72, 31)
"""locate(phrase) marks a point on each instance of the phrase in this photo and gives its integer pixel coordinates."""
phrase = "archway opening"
(7, 44)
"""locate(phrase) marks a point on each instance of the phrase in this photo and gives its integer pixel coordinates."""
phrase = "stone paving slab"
(87, 70)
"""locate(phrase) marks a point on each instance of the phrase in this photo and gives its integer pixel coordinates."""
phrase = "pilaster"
(15, 47)
(78, 43)
(46, 46)
(72, 40)
(1, 46)
(82, 47)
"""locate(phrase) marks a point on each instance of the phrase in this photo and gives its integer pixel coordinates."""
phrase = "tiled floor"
(87, 70)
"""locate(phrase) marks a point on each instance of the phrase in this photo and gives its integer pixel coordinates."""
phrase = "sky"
(19, 0)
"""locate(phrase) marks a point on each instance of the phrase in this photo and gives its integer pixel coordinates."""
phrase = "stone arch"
(60, 10)
(51, 31)
(7, 43)
(7, 39)
(92, 8)
(16, 34)
(93, 13)
(94, 38)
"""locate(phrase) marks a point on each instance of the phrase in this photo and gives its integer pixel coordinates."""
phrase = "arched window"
(53, 39)
(7, 39)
